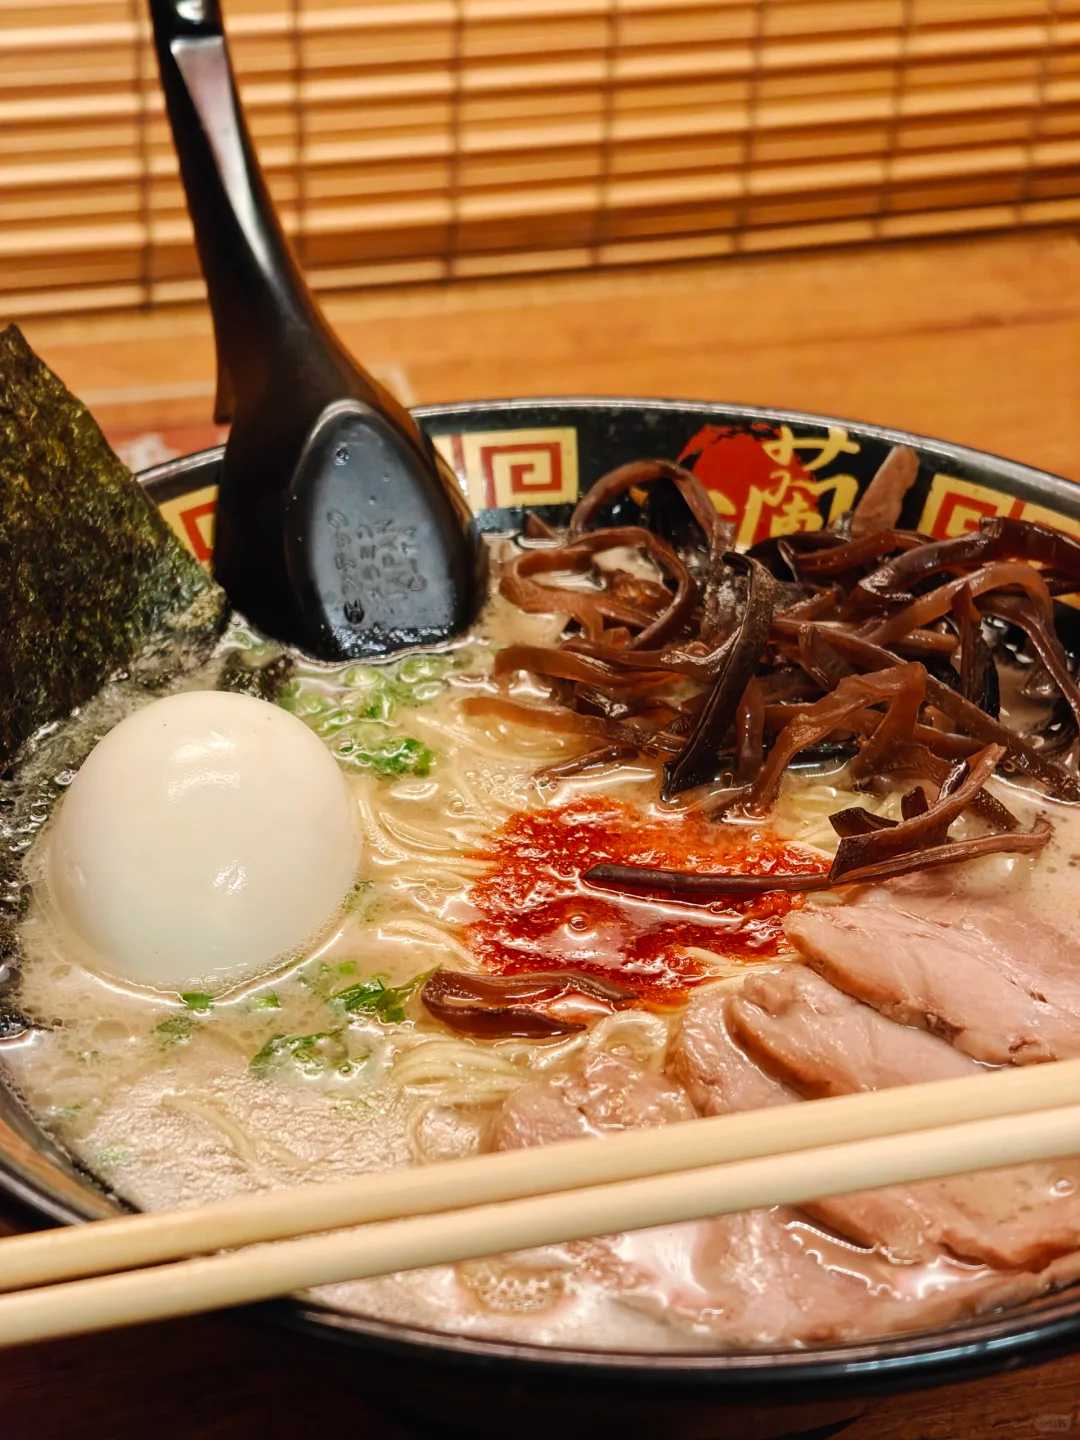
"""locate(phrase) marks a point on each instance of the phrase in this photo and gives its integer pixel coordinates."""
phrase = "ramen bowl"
(774, 473)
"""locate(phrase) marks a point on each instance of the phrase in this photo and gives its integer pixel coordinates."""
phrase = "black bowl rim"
(1047, 482)
(909, 1359)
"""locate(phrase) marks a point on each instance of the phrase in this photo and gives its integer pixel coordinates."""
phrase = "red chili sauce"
(536, 914)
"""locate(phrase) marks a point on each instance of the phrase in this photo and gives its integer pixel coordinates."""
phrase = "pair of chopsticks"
(485, 1205)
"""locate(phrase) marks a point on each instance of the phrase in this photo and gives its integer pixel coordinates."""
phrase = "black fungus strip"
(697, 762)
(999, 538)
(957, 792)
(1022, 757)
(685, 888)
(978, 672)
(497, 1007)
(856, 820)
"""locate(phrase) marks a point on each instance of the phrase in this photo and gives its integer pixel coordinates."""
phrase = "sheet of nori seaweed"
(92, 580)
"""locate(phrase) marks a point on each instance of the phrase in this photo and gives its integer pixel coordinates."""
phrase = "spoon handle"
(258, 297)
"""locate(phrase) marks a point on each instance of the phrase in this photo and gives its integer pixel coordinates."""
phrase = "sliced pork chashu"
(822, 1042)
(720, 1077)
(1001, 992)
(767, 1277)
(607, 1092)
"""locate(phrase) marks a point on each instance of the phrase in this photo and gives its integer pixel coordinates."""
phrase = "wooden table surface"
(976, 341)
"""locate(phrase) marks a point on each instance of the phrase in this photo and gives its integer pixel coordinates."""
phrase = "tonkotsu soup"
(670, 833)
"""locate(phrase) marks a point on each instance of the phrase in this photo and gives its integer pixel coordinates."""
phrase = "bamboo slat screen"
(426, 139)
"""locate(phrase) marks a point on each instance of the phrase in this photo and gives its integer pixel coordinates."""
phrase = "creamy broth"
(171, 1104)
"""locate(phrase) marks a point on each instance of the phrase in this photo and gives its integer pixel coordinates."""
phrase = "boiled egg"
(206, 838)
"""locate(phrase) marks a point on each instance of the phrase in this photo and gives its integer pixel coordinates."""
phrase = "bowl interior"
(772, 473)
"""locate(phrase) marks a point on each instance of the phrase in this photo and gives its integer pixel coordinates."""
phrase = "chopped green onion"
(375, 997)
(322, 978)
(389, 755)
(312, 1054)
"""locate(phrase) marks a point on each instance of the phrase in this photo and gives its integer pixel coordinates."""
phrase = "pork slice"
(716, 1074)
(748, 1280)
(947, 977)
(822, 1042)
(928, 1287)
(763, 1278)
(1024, 942)
(720, 1077)
(744, 1279)
(606, 1093)
(769, 1277)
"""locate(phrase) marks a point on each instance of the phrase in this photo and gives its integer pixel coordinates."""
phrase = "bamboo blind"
(410, 140)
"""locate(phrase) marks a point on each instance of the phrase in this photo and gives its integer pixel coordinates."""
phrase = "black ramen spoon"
(339, 528)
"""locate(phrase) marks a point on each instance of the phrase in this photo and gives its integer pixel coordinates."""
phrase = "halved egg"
(205, 838)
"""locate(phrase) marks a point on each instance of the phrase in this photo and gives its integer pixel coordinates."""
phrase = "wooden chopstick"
(785, 1155)
(109, 1245)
